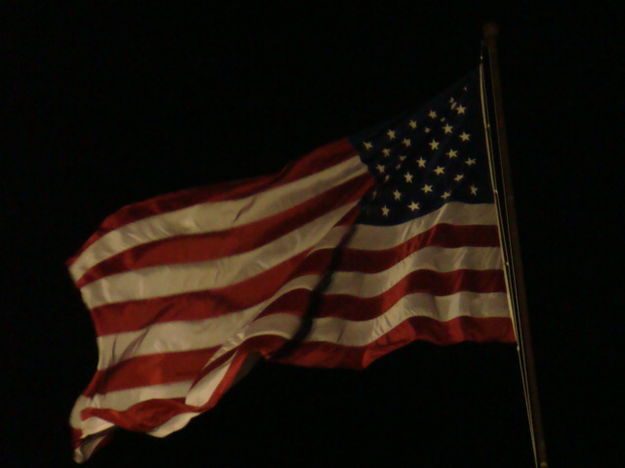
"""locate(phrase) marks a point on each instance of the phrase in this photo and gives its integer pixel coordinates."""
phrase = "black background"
(108, 104)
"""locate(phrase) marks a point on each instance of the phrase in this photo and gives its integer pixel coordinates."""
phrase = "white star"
(386, 152)
(433, 144)
(367, 145)
(451, 99)
(380, 168)
(443, 119)
(407, 142)
(396, 194)
(385, 210)
(421, 162)
(439, 170)
(402, 157)
(413, 206)
(446, 195)
(448, 128)
(460, 109)
(397, 166)
(386, 178)
(470, 162)
(391, 134)
(464, 136)
(408, 177)
(426, 188)
(459, 177)
(427, 130)
(454, 104)
(432, 114)
(452, 153)
(413, 124)
(473, 189)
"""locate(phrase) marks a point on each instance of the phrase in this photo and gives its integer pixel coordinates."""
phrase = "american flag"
(185, 288)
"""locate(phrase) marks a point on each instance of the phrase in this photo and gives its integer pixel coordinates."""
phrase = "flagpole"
(510, 231)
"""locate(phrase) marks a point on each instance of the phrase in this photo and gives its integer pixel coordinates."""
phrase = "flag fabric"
(185, 288)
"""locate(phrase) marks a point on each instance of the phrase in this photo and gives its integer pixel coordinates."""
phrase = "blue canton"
(426, 158)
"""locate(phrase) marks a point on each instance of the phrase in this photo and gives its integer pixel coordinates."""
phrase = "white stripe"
(187, 335)
(121, 400)
(173, 424)
(361, 333)
(327, 329)
(164, 280)
(95, 425)
(440, 308)
(439, 259)
(207, 387)
(87, 447)
(162, 337)
(171, 279)
(170, 337)
(199, 334)
(216, 216)
(369, 237)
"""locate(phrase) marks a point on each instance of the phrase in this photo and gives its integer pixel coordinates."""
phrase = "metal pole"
(526, 354)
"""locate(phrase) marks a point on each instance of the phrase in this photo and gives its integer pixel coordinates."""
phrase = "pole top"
(491, 30)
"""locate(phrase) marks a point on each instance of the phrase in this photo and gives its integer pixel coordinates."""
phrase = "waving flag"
(184, 288)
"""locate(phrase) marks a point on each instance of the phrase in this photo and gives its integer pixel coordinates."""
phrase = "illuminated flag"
(185, 288)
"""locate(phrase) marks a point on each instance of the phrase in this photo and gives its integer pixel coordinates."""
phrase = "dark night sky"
(109, 105)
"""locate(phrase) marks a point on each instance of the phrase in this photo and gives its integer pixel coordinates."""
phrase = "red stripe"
(76, 435)
(360, 309)
(208, 246)
(440, 235)
(350, 307)
(173, 367)
(375, 261)
(141, 417)
(153, 369)
(458, 330)
(134, 315)
(121, 317)
(316, 161)
(227, 380)
(150, 414)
